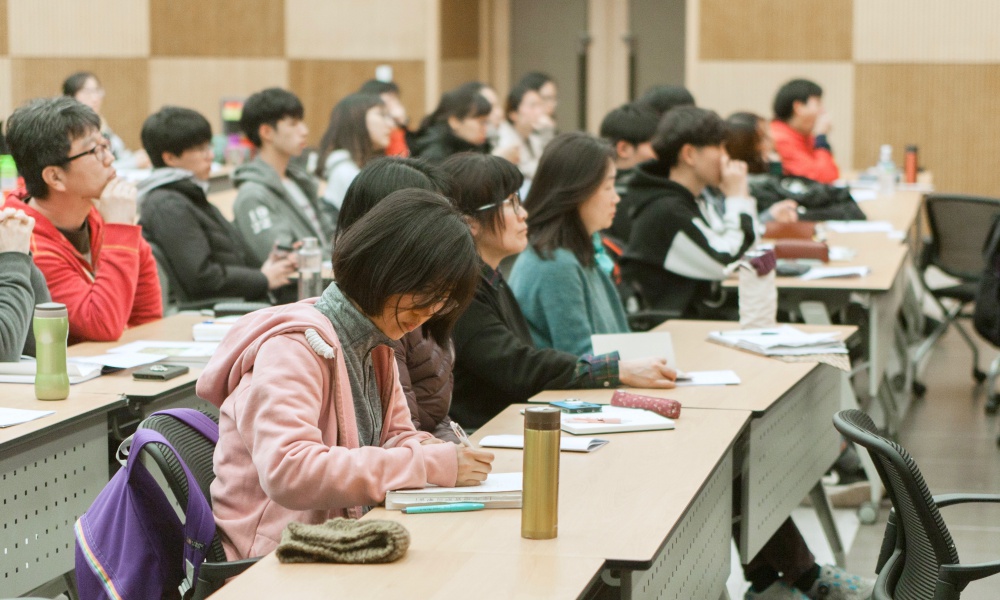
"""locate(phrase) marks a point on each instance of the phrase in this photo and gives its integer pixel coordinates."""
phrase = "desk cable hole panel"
(45, 485)
(790, 449)
(695, 562)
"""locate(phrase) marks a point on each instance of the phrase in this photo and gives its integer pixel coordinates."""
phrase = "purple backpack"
(130, 543)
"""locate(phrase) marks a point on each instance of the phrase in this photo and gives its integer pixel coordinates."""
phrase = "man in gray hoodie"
(276, 202)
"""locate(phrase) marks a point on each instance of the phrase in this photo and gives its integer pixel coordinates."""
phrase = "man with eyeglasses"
(85, 242)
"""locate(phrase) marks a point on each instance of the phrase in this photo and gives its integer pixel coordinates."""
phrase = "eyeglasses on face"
(100, 151)
(514, 200)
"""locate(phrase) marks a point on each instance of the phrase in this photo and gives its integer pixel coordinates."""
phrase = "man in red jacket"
(799, 129)
(85, 242)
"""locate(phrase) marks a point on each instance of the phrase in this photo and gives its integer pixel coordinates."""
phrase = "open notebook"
(566, 443)
(631, 419)
(500, 490)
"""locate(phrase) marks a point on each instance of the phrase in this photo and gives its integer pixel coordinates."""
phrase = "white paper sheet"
(24, 372)
(566, 443)
(636, 345)
(707, 378)
(196, 351)
(119, 360)
(16, 416)
(833, 272)
(495, 482)
(860, 226)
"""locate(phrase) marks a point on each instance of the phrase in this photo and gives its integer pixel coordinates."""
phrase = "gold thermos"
(540, 507)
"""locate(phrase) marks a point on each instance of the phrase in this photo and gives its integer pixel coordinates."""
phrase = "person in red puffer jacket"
(85, 241)
(799, 129)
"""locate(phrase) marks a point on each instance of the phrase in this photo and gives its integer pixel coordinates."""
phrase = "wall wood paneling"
(70, 28)
(352, 30)
(776, 29)
(459, 29)
(949, 111)
(3, 28)
(321, 83)
(237, 28)
(926, 31)
(126, 81)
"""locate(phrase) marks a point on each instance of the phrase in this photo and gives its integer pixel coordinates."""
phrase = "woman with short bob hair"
(561, 281)
(359, 131)
(496, 360)
(313, 422)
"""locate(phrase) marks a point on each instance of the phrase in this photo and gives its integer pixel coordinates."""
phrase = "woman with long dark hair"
(458, 124)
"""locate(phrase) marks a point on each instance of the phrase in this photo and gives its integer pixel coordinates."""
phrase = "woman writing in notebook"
(496, 360)
(313, 422)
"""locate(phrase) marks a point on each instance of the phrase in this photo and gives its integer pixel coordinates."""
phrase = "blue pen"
(450, 507)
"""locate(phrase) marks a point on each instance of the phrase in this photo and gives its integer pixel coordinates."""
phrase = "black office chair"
(638, 312)
(959, 225)
(197, 453)
(918, 558)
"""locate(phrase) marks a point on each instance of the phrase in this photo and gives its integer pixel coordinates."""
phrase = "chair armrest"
(943, 500)
(221, 571)
(960, 575)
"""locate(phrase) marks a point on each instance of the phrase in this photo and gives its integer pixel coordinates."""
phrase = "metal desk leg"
(825, 513)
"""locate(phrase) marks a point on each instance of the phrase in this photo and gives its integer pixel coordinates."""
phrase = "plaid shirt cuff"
(598, 371)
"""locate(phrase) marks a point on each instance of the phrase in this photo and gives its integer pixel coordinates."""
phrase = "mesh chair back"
(959, 227)
(196, 452)
(923, 537)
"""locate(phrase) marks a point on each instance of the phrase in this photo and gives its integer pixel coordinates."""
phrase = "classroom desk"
(790, 443)
(52, 468)
(651, 508)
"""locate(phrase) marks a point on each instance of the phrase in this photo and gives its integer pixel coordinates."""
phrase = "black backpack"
(821, 202)
(986, 317)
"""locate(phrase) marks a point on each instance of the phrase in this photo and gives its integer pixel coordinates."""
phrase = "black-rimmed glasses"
(100, 151)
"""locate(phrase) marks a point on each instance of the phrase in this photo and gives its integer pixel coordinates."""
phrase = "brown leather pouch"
(799, 230)
(802, 249)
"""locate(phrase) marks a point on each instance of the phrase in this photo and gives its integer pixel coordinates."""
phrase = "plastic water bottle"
(886, 172)
(540, 502)
(310, 269)
(51, 329)
(8, 173)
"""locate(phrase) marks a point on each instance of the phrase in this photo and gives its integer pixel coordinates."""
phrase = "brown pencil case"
(799, 230)
(802, 249)
(670, 409)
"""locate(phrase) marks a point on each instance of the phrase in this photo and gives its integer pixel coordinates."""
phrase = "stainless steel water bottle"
(540, 505)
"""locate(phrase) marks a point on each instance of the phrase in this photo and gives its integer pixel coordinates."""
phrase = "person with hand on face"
(359, 130)
(203, 250)
(526, 117)
(496, 360)
(85, 87)
(458, 124)
(85, 242)
(313, 422)
(276, 200)
(800, 128)
(562, 280)
(679, 245)
(748, 138)
(22, 285)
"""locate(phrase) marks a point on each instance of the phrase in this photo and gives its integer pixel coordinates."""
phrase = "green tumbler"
(51, 327)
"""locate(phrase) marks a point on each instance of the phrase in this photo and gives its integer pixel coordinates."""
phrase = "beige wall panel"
(727, 87)
(348, 29)
(200, 83)
(776, 29)
(921, 31)
(105, 28)
(455, 72)
(322, 83)
(6, 99)
(459, 29)
(607, 73)
(126, 82)
(237, 28)
(950, 111)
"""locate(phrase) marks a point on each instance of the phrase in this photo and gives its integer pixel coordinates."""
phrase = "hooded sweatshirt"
(288, 441)
(340, 171)
(266, 213)
(203, 251)
(115, 287)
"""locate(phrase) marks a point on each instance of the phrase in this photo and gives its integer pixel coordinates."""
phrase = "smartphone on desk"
(574, 406)
(160, 372)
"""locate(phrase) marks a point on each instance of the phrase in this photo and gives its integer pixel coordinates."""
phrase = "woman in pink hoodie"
(313, 422)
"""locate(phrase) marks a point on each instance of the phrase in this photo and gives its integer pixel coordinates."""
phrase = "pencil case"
(661, 406)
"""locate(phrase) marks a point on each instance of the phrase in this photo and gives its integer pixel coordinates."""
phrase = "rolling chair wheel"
(919, 389)
(992, 403)
(978, 375)
(868, 513)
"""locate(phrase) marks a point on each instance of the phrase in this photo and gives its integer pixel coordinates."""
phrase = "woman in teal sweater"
(561, 281)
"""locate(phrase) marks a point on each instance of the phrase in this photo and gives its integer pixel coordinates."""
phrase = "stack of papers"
(500, 490)
(213, 330)
(16, 416)
(24, 372)
(628, 419)
(566, 443)
(182, 352)
(780, 341)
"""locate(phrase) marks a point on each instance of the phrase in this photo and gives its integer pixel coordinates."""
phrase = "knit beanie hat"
(344, 541)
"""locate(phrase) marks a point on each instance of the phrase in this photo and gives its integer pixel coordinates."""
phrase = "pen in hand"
(462, 437)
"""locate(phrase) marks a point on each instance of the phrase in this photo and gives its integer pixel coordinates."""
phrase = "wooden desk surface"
(422, 573)
(900, 209)
(78, 405)
(880, 253)
(619, 503)
(763, 380)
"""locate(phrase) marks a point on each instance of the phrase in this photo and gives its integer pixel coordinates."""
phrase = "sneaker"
(835, 583)
(779, 590)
